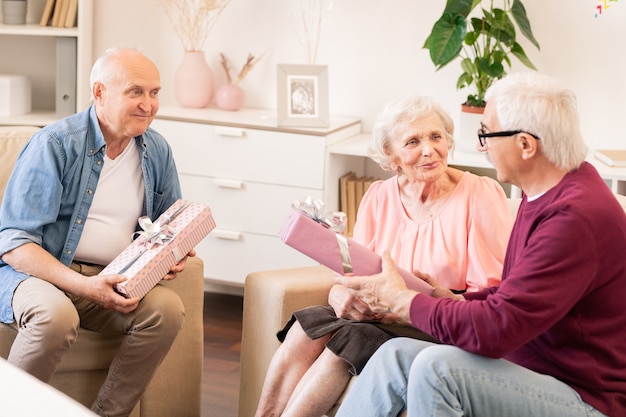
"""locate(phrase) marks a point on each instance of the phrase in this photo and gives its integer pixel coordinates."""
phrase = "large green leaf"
(480, 25)
(462, 7)
(471, 37)
(427, 42)
(464, 80)
(446, 39)
(501, 28)
(468, 66)
(454, 8)
(519, 53)
(519, 14)
(492, 69)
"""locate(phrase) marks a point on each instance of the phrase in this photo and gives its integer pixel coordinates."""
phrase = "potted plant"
(485, 43)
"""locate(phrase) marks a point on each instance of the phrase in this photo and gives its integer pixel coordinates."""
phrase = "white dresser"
(249, 171)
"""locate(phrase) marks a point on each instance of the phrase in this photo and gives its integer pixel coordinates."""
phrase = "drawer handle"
(223, 183)
(230, 131)
(226, 234)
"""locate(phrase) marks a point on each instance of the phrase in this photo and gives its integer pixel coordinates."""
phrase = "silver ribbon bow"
(153, 233)
(157, 233)
(315, 209)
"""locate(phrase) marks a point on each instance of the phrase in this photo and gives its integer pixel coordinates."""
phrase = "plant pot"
(230, 97)
(472, 109)
(14, 12)
(193, 81)
(465, 138)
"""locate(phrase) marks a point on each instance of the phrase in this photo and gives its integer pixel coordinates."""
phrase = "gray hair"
(406, 109)
(538, 104)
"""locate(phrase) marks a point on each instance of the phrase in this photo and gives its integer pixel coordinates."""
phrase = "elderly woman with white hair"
(433, 219)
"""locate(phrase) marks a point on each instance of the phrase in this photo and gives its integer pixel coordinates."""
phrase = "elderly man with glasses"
(549, 340)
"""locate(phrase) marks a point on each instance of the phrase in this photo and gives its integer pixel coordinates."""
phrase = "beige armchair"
(269, 299)
(176, 387)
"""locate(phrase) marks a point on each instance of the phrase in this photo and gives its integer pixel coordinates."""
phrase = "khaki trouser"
(48, 319)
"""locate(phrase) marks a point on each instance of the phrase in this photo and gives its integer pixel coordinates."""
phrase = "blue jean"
(440, 380)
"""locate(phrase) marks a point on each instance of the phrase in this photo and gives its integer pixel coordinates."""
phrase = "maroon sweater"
(560, 308)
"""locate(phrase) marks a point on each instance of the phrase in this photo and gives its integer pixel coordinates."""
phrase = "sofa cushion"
(12, 140)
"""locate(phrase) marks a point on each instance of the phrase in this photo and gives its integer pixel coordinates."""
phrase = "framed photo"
(303, 95)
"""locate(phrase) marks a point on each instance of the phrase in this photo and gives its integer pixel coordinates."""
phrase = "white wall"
(373, 50)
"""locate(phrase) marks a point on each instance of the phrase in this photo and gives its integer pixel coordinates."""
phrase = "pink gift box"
(149, 258)
(320, 243)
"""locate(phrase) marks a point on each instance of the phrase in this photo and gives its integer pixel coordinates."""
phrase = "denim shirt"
(52, 186)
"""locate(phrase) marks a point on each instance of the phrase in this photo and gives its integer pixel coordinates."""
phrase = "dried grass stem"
(247, 67)
(192, 20)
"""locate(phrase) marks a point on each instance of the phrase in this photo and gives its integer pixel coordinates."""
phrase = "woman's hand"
(349, 306)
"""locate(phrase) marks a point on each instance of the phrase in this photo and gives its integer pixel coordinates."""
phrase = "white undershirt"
(535, 197)
(116, 207)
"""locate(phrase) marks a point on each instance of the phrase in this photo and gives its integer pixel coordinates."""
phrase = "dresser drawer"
(246, 154)
(249, 171)
(230, 256)
(245, 206)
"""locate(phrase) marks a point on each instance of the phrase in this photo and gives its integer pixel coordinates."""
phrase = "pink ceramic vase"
(230, 97)
(193, 81)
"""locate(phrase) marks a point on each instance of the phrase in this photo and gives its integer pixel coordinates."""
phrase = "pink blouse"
(462, 246)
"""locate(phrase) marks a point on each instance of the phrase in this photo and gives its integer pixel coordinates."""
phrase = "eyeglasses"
(482, 135)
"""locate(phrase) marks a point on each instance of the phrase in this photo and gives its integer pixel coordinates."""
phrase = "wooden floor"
(222, 345)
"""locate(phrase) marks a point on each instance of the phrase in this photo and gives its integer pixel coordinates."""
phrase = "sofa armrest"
(269, 299)
(176, 388)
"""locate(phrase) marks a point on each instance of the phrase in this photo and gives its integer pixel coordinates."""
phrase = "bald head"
(115, 64)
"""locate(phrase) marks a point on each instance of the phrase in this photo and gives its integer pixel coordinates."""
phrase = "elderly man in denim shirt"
(70, 207)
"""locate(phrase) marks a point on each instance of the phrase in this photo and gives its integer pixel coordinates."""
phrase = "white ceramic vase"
(465, 136)
(193, 81)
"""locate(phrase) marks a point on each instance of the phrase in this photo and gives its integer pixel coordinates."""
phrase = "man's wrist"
(402, 304)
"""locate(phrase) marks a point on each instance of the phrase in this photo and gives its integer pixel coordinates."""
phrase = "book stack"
(60, 13)
(351, 190)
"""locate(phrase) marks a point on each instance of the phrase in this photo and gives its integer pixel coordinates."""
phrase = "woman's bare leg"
(290, 362)
(320, 387)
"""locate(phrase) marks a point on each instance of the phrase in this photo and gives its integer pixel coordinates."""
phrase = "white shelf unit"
(58, 61)
(615, 177)
(249, 171)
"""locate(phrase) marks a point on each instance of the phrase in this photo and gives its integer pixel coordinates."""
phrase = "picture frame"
(302, 95)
